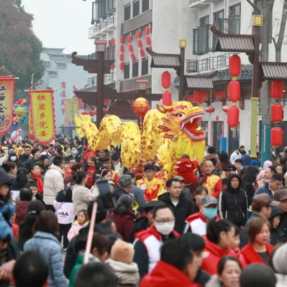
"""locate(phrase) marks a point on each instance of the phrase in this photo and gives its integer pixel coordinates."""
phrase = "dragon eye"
(180, 115)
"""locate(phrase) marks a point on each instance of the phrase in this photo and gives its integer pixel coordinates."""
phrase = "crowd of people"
(227, 228)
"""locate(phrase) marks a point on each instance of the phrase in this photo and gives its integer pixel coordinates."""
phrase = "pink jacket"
(75, 229)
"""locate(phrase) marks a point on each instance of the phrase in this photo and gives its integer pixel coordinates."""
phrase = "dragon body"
(168, 133)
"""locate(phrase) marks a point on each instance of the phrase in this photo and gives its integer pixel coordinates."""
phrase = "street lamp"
(100, 45)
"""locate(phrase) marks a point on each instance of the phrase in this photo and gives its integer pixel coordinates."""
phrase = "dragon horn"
(163, 109)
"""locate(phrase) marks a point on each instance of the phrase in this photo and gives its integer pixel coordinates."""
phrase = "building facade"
(169, 21)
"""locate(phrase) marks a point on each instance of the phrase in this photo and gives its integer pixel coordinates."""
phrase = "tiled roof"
(164, 60)
(235, 43)
(199, 83)
(273, 71)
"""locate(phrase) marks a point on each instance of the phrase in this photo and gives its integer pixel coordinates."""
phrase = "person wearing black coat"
(181, 206)
(275, 232)
(233, 201)
(249, 181)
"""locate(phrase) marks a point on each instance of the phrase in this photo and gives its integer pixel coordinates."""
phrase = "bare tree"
(281, 35)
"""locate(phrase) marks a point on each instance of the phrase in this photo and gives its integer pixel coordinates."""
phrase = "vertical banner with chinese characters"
(6, 103)
(72, 109)
(43, 115)
(31, 133)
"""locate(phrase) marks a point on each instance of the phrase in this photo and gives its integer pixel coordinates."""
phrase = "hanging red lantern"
(133, 57)
(225, 108)
(141, 106)
(234, 91)
(121, 66)
(138, 33)
(131, 48)
(142, 54)
(113, 41)
(210, 109)
(276, 113)
(122, 39)
(106, 102)
(122, 48)
(121, 57)
(276, 89)
(165, 79)
(140, 43)
(147, 30)
(198, 97)
(148, 41)
(129, 38)
(276, 137)
(166, 98)
(234, 65)
(233, 116)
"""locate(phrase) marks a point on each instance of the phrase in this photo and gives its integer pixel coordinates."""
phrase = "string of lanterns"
(140, 44)
(165, 82)
(131, 48)
(147, 37)
(122, 49)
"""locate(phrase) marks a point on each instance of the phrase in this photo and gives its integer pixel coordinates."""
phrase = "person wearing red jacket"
(148, 242)
(258, 250)
(91, 171)
(88, 153)
(176, 267)
(218, 242)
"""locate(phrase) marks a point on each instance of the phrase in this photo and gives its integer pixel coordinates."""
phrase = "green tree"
(20, 49)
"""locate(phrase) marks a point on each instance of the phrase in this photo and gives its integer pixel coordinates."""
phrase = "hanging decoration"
(225, 108)
(147, 37)
(72, 109)
(121, 56)
(276, 113)
(165, 82)
(131, 48)
(20, 113)
(43, 115)
(6, 103)
(210, 110)
(234, 91)
(140, 44)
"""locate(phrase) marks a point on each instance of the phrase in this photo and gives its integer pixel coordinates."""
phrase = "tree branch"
(282, 25)
(254, 6)
(274, 42)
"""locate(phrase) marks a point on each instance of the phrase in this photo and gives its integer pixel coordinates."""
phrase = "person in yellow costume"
(152, 187)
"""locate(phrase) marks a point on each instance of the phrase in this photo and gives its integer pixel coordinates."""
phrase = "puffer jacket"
(49, 246)
(233, 203)
(53, 183)
(127, 274)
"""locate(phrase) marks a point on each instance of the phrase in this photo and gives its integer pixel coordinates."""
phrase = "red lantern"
(142, 54)
(122, 39)
(113, 41)
(133, 57)
(210, 109)
(106, 102)
(141, 106)
(138, 33)
(131, 48)
(225, 108)
(122, 66)
(276, 137)
(129, 38)
(165, 80)
(121, 57)
(147, 30)
(276, 113)
(234, 65)
(233, 116)
(276, 89)
(198, 97)
(166, 98)
(122, 48)
(148, 41)
(140, 43)
(234, 91)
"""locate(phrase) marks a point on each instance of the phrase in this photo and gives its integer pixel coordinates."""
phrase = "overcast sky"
(62, 23)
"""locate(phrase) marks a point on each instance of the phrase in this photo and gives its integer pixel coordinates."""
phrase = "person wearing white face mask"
(148, 242)
(74, 155)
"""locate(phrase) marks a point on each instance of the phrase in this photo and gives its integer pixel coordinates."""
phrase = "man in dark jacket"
(281, 196)
(261, 207)
(181, 206)
(270, 187)
(233, 202)
(125, 187)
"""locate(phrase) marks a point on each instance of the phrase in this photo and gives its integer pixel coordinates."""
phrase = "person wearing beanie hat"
(123, 216)
(121, 261)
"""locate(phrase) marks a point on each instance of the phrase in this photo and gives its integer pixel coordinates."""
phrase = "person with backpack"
(65, 213)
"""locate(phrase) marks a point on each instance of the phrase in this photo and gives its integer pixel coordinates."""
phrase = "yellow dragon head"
(182, 120)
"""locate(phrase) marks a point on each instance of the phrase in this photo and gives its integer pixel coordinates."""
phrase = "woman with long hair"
(219, 241)
(249, 182)
(258, 249)
(21, 179)
(46, 242)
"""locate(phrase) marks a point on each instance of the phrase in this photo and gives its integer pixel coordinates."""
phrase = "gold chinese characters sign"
(71, 109)
(6, 103)
(42, 115)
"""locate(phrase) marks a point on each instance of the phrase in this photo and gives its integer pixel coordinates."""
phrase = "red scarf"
(39, 181)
